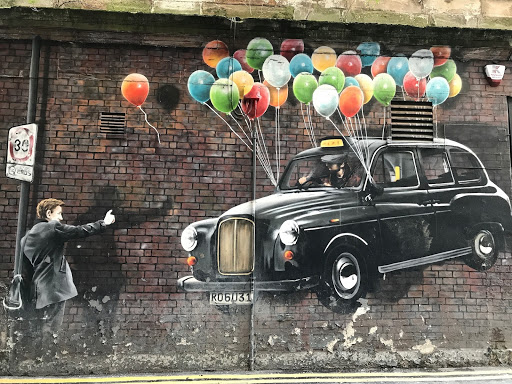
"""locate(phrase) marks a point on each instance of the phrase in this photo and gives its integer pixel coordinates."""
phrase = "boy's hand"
(109, 218)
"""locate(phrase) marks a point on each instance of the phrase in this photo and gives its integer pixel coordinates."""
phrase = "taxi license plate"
(225, 298)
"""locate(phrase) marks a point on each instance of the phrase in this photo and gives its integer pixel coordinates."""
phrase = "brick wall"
(128, 313)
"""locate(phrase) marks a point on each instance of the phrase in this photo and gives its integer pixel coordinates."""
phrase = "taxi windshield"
(340, 169)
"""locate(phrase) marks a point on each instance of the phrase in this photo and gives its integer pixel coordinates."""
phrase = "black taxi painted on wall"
(347, 212)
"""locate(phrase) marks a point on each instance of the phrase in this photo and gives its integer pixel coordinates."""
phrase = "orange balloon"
(351, 100)
(455, 85)
(277, 96)
(214, 52)
(135, 88)
(243, 81)
(323, 58)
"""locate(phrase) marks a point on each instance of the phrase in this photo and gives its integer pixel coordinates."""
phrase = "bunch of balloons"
(337, 83)
(235, 85)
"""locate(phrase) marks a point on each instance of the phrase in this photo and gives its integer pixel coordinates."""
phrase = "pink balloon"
(240, 55)
(414, 87)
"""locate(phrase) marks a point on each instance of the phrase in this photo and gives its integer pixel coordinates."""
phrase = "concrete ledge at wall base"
(310, 361)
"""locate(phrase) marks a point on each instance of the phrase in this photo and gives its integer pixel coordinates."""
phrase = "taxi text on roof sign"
(330, 143)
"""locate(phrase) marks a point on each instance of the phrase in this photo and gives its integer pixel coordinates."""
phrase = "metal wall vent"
(112, 123)
(412, 120)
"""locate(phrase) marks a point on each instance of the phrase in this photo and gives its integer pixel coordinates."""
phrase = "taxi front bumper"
(191, 284)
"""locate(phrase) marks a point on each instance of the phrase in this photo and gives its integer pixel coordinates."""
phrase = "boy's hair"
(45, 205)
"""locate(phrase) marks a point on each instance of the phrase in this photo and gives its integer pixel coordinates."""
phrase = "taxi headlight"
(289, 232)
(189, 238)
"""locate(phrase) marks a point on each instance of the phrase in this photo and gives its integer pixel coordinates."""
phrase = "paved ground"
(457, 376)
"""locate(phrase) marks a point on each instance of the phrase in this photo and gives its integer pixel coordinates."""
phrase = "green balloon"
(384, 88)
(224, 95)
(447, 70)
(257, 52)
(303, 87)
(333, 76)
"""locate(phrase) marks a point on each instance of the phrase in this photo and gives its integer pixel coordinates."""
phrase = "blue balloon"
(438, 90)
(301, 63)
(227, 66)
(349, 80)
(369, 52)
(199, 85)
(398, 68)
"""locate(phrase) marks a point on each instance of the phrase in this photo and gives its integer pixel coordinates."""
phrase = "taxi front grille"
(235, 247)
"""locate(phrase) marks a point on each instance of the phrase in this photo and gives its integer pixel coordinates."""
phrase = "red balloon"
(351, 100)
(241, 56)
(441, 54)
(350, 63)
(135, 88)
(256, 102)
(380, 65)
(414, 87)
(291, 47)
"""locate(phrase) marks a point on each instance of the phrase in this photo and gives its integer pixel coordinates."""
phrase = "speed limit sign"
(21, 152)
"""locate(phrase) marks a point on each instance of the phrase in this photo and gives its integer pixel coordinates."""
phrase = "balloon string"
(146, 118)
(353, 150)
(384, 125)
(305, 125)
(239, 126)
(276, 144)
(265, 154)
(230, 127)
(311, 126)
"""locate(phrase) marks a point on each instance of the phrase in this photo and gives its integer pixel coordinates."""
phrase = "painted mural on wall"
(351, 208)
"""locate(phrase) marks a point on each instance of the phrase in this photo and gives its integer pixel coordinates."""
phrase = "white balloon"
(421, 63)
(276, 70)
(325, 100)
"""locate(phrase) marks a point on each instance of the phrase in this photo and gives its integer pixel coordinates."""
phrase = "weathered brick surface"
(128, 303)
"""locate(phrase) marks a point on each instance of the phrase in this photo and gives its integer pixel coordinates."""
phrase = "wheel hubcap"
(346, 276)
(484, 244)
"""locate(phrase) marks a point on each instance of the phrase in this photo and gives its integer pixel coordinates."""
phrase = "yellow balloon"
(244, 82)
(366, 85)
(455, 86)
(323, 58)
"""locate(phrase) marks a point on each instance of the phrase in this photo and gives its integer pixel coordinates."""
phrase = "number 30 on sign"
(21, 151)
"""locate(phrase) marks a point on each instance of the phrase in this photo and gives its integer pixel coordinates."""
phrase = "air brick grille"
(112, 123)
(412, 120)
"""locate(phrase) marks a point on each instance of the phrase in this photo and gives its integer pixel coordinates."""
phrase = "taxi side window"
(466, 167)
(436, 166)
(395, 169)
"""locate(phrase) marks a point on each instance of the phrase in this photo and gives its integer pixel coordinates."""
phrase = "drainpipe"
(31, 117)
(251, 336)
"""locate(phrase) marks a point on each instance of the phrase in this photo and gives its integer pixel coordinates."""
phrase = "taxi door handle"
(433, 201)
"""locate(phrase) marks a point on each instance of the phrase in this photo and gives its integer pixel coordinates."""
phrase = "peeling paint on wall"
(426, 348)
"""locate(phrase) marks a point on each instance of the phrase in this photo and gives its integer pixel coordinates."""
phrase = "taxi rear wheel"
(344, 281)
(485, 251)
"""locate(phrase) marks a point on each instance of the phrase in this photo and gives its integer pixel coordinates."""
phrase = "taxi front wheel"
(484, 251)
(344, 281)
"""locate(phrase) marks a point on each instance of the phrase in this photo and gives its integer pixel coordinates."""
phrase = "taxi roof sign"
(332, 143)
